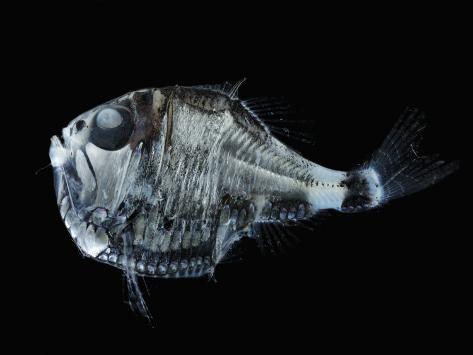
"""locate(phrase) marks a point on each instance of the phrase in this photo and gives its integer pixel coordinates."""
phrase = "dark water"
(385, 274)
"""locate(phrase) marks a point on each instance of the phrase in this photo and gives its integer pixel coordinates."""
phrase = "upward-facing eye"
(111, 127)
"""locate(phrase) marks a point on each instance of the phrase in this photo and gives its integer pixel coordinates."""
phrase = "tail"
(396, 169)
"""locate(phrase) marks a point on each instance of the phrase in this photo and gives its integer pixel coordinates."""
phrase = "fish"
(165, 182)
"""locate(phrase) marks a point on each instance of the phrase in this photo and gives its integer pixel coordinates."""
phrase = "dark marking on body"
(170, 116)
(358, 193)
(144, 130)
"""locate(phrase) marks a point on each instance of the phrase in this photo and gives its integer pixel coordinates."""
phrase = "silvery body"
(163, 182)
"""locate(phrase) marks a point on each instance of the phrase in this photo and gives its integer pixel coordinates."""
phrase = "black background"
(390, 276)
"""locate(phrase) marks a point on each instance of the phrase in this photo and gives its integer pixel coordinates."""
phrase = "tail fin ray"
(400, 169)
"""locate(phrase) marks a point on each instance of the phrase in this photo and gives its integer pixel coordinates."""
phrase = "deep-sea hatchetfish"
(164, 182)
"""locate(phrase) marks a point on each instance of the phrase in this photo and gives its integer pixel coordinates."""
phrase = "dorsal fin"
(275, 114)
(234, 91)
(226, 88)
(269, 107)
(280, 118)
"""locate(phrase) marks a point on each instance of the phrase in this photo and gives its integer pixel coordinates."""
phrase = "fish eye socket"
(111, 128)
(79, 125)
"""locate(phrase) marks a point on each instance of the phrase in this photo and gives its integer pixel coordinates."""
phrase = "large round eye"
(111, 128)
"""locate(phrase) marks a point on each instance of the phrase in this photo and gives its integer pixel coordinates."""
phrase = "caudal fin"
(396, 169)
(400, 169)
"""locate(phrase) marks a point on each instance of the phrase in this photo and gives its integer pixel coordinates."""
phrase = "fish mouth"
(92, 240)
(99, 243)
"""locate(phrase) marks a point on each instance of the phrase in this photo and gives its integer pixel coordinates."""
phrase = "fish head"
(98, 168)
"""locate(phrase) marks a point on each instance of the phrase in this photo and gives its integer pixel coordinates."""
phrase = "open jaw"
(91, 239)
(119, 249)
(116, 245)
